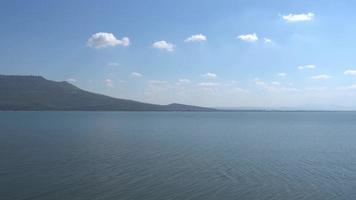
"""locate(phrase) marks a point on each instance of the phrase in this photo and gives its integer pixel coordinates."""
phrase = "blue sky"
(228, 54)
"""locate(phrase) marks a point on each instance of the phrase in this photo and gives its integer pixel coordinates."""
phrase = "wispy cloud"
(103, 40)
(316, 89)
(164, 45)
(259, 81)
(109, 82)
(208, 84)
(302, 67)
(267, 41)
(183, 81)
(350, 87)
(350, 72)
(113, 64)
(71, 80)
(136, 75)
(320, 77)
(298, 17)
(210, 76)
(157, 87)
(196, 38)
(248, 37)
(274, 86)
(282, 74)
(159, 82)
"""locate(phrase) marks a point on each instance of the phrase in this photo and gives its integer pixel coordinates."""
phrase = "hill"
(37, 93)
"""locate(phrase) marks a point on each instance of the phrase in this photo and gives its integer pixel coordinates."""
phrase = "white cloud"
(109, 83)
(350, 72)
(298, 17)
(267, 41)
(320, 77)
(248, 37)
(210, 76)
(282, 74)
(183, 81)
(301, 67)
(136, 75)
(163, 45)
(276, 83)
(71, 80)
(103, 40)
(196, 38)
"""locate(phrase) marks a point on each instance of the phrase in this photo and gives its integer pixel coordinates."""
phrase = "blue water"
(177, 155)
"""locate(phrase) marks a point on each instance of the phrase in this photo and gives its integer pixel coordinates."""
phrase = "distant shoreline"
(179, 111)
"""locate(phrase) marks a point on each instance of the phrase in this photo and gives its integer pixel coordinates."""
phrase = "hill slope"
(37, 93)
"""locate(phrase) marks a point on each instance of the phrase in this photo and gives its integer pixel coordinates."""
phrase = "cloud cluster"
(274, 86)
(252, 37)
(103, 40)
(210, 81)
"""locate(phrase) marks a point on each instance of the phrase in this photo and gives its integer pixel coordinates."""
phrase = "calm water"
(183, 156)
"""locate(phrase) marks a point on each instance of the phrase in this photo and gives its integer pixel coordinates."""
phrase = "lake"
(177, 155)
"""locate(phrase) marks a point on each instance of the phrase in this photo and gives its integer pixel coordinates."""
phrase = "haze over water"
(177, 155)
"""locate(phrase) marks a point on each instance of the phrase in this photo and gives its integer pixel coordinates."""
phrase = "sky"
(228, 53)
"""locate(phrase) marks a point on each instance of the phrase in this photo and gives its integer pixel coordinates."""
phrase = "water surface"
(177, 155)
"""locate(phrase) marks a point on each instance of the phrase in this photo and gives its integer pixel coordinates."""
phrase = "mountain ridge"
(35, 93)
